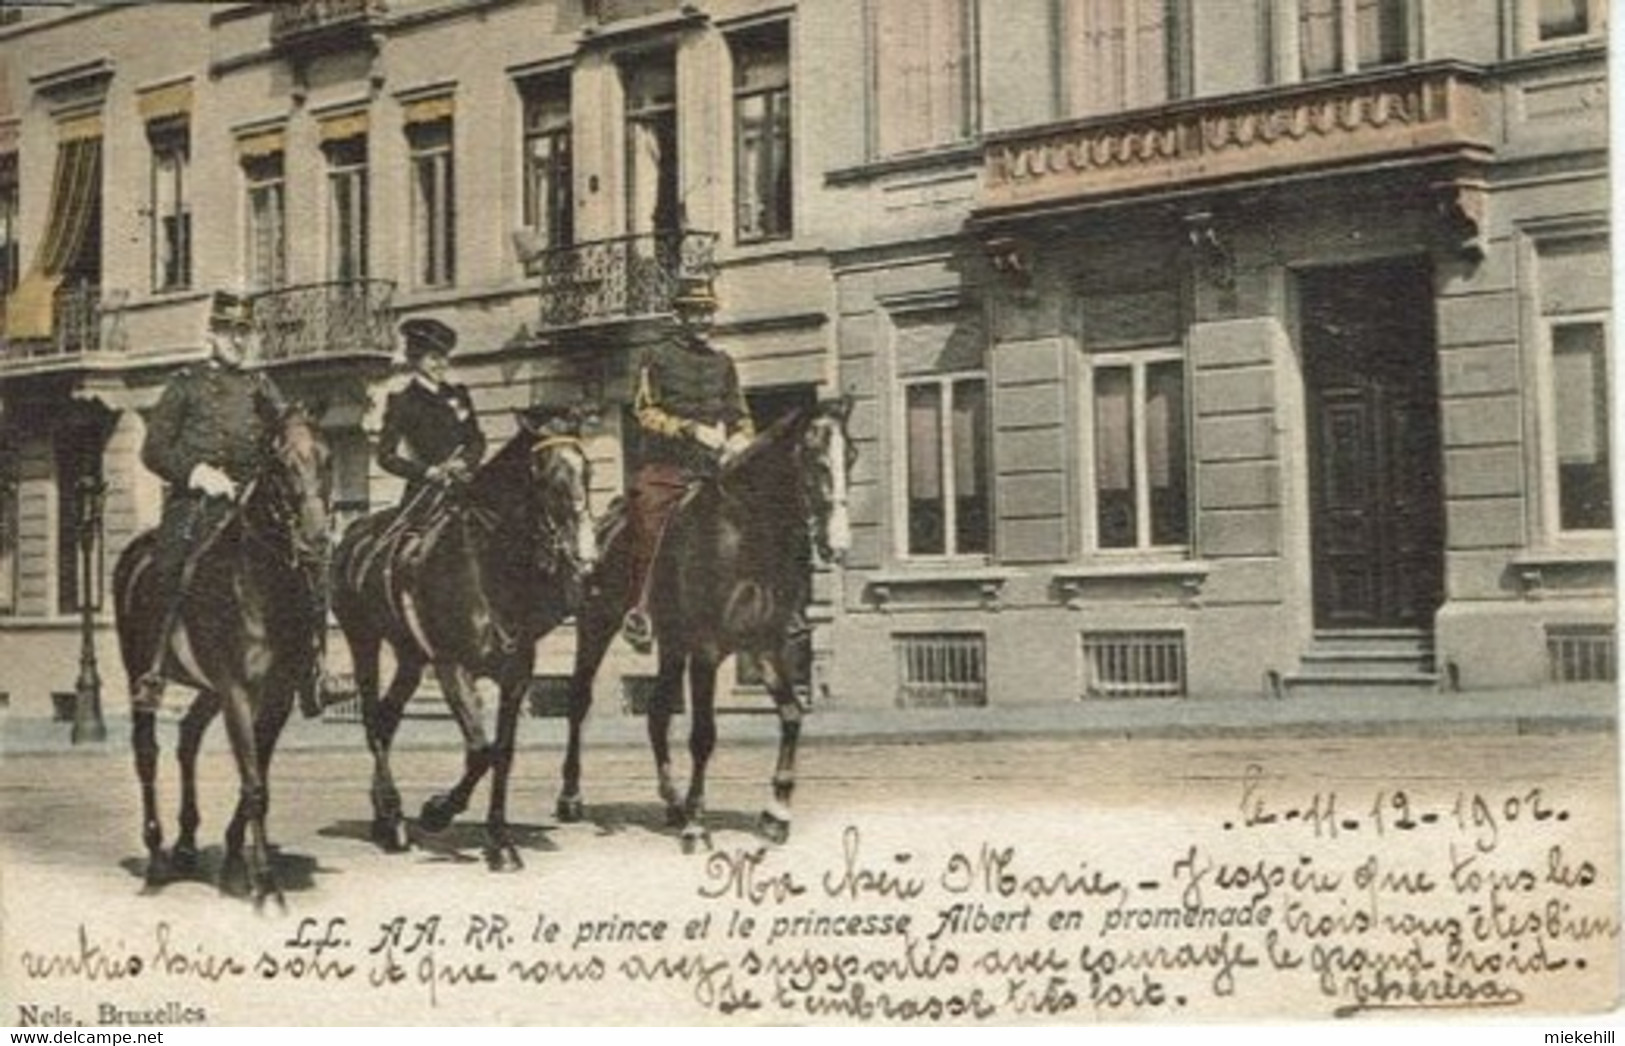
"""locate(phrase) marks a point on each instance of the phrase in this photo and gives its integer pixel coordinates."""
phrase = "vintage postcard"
(784, 512)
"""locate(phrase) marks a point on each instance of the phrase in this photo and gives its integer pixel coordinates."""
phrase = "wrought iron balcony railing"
(323, 320)
(321, 21)
(84, 319)
(625, 277)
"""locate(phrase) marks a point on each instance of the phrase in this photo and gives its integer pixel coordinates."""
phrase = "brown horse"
(470, 587)
(733, 574)
(245, 635)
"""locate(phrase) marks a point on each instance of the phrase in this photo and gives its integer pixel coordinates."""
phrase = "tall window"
(1137, 400)
(170, 209)
(1344, 36)
(10, 257)
(1125, 54)
(78, 461)
(549, 204)
(267, 233)
(946, 429)
(347, 209)
(923, 73)
(1580, 388)
(8, 532)
(761, 61)
(434, 203)
(653, 201)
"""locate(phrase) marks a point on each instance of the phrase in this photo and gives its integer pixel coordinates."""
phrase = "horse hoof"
(160, 870)
(389, 835)
(503, 858)
(270, 892)
(773, 828)
(437, 814)
(695, 838)
(183, 860)
(234, 878)
(571, 810)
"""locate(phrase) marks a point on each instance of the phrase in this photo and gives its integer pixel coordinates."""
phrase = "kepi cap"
(695, 293)
(424, 335)
(228, 311)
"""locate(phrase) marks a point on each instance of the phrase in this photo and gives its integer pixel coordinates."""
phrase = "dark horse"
(470, 588)
(245, 636)
(733, 573)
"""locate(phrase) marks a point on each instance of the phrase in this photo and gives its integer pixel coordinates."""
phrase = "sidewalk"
(1549, 710)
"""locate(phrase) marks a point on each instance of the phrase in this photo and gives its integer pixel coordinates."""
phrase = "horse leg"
(775, 820)
(144, 739)
(702, 741)
(594, 633)
(500, 853)
(184, 855)
(458, 685)
(668, 684)
(381, 719)
(251, 873)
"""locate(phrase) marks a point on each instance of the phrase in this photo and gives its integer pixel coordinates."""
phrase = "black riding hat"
(424, 335)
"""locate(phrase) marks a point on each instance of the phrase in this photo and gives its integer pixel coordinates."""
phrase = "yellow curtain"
(75, 192)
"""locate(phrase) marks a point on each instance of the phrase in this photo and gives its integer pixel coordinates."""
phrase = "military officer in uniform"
(693, 417)
(431, 434)
(204, 439)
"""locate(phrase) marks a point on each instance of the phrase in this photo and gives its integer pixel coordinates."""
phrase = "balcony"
(623, 278)
(1437, 114)
(316, 321)
(314, 26)
(85, 320)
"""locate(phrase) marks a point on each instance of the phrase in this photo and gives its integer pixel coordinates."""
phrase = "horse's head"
(824, 457)
(560, 478)
(298, 483)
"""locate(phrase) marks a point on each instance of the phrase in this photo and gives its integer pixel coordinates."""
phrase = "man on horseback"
(206, 438)
(431, 436)
(692, 412)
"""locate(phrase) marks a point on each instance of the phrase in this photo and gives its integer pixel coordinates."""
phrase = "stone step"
(1359, 684)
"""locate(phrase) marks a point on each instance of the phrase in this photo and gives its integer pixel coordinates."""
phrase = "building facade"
(1253, 347)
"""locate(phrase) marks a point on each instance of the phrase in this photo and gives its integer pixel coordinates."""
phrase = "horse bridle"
(556, 551)
(284, 511)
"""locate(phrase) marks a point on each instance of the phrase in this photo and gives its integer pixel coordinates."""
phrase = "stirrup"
(638, 630)
(319, 693)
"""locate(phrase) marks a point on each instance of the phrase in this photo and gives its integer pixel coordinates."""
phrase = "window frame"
(637, 112)
(276, 186)
(1528, 16)
(431, 156)
(778, 106)
(559, 205)
(169, 198)
(945, 382)
(354, 177)
(1138, 359)
(969, 87)
(10, 246)
(1550, 472)
(1286, 31)
(1179, 56)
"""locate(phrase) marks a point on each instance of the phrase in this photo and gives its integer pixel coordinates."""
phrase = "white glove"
(211, 481)
(711, 437)
(737, 444)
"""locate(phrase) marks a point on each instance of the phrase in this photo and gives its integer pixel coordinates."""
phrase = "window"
(170, 209)
(761, 60)
(1562, 21)
(9, 254)
(653, 202)
(1581, 654)
(347, 209)
(1125, 54)
(946, 430)
(267, 233)
(941, 669)
(1134, 664)
(78, 468)
(1139, 484)
(1580, 391)
(923, 73)
(434, 203)
(1345, 36)
(8, 533)
(549, 207)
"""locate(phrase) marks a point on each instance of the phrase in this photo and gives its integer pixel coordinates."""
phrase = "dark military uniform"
(683, 383)
(209, 414)
(424, 427)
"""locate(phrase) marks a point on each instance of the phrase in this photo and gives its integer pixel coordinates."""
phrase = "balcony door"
(1371, 369)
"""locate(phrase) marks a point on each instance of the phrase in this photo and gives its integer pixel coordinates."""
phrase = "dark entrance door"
(1372, 376)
